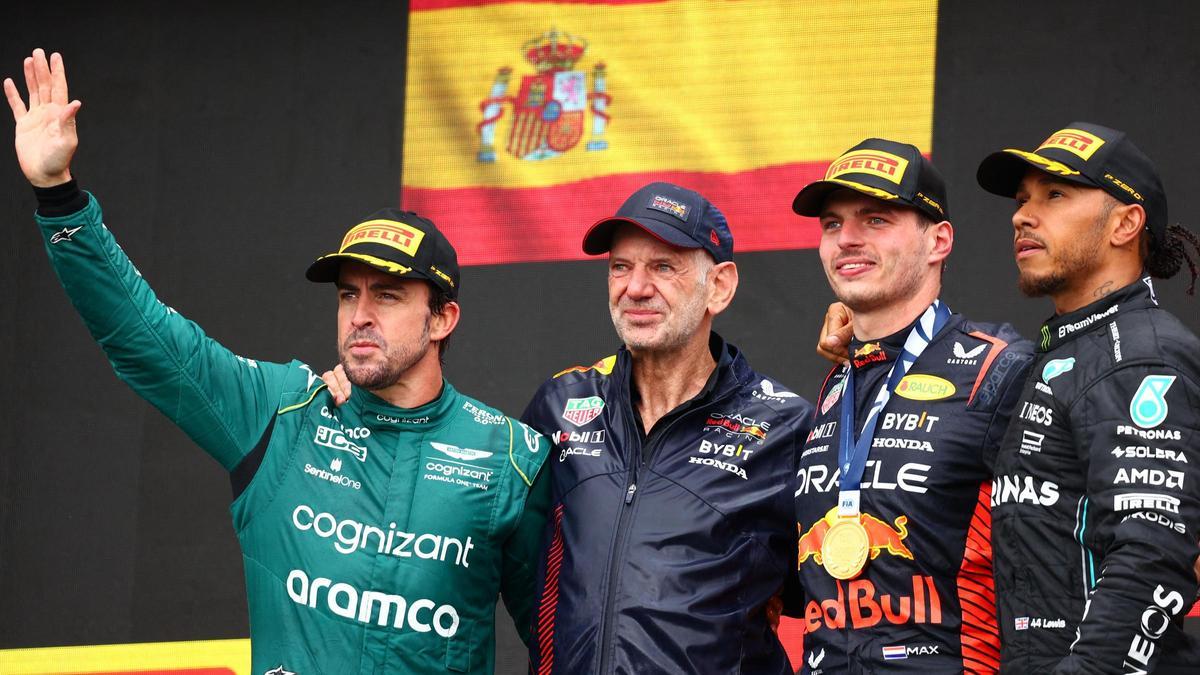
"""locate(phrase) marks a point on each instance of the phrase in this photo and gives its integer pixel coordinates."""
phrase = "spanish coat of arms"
(550, 107)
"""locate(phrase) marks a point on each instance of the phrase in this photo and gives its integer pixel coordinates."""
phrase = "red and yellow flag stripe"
(744, 101)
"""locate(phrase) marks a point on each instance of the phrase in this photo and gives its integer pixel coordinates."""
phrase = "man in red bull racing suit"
(894, 554)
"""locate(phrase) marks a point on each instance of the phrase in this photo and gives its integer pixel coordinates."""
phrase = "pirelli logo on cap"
(395, 234)
(1074, 141)
(875, 162)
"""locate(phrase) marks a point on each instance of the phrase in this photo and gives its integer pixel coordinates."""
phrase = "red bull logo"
(880, 537)
(859, 605)
(736, 424)
(869, 353)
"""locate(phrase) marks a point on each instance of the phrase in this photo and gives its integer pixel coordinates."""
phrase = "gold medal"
(845, 548)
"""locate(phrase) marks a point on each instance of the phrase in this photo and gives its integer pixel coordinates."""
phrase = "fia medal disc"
(845, 548)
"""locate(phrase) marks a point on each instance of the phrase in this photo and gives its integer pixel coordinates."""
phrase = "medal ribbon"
(852, 455)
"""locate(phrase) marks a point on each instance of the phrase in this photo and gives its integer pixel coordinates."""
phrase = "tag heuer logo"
(580, 411)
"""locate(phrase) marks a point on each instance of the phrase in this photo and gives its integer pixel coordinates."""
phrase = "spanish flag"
(527, 121)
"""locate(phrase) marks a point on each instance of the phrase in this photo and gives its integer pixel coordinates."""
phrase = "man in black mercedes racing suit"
(1096, 501)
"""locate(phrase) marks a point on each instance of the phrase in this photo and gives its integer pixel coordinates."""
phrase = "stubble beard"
(673, 334)
(398, 359)
(1077, 257)
(884, 295)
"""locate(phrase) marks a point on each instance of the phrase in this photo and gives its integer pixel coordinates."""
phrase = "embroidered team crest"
(550, 107)
(1148, 408)
(668, 205)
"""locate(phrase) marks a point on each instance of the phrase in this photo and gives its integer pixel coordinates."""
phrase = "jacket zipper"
(645, 454)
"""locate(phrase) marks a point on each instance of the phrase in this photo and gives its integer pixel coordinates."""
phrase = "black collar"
(1059, 330)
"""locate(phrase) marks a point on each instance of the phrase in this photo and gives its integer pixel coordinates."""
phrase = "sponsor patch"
(874, 162)
(1017, 489)
(458, 473)
(988, 393)
(921, 387)
(1031, 442)
(481, 416)
(1137, 501)
(1168, 478)
(465, 454)
(1075, 141)
(581, 411)
(668, 205)
(718, 464)
(1147, 452)
(581, 451)
(64, 234)
(834, 395)
(821, 431)
(564, 436)
(391, 233)
(332, 476)
(1155, 621)
(965, 357)
(336, 439)
(863, 606)
(872, 352)
(1149, 407)
(372, 607)
(767, 392)
(1056, 367)
(923, 422)
(738, 425)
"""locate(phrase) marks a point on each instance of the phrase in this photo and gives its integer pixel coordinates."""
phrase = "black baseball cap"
(887, 170)
(1087, 154)
(674, 214)
(397, 242)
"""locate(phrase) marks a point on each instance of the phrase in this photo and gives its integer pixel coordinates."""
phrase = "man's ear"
(1127, 222)
(722, 285)
(442, 325)
(942, 241)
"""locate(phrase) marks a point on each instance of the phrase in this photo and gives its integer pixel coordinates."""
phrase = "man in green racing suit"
(375, 536)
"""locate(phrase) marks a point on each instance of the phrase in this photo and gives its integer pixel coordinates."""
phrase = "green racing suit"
(375, 539)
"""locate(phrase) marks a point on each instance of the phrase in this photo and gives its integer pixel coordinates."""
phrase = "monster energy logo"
(1045, 338)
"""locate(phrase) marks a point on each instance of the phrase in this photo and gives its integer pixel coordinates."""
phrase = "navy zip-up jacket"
(663, 548)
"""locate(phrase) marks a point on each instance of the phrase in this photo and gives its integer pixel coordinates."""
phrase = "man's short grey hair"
(704, 264)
